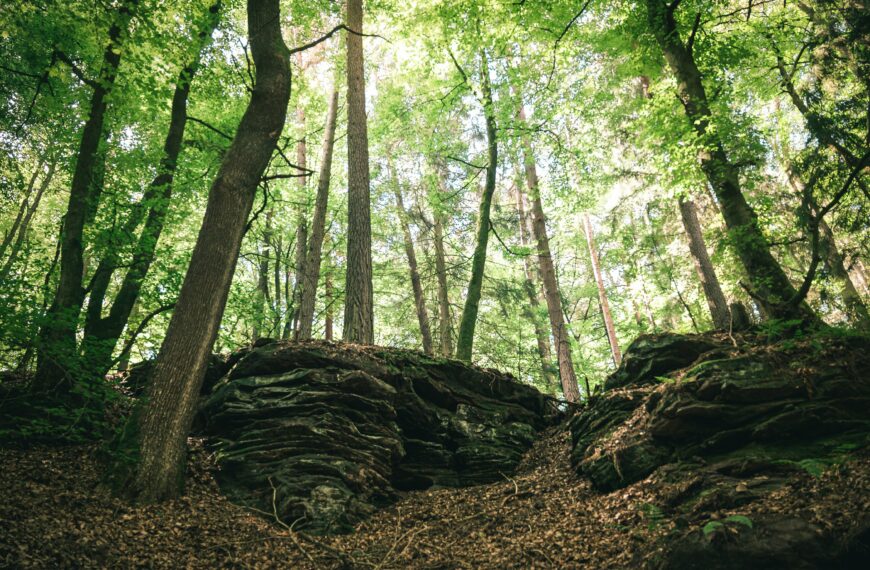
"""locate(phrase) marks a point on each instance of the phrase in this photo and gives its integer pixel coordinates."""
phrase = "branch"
(691, 41)
(139, 329)
(571, 23)
(331, 33)
(75, 69)
(210, 127)
(503, 244)
(465, 162)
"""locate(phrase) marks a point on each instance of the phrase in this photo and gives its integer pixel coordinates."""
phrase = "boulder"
(320, 435)
(727, 427)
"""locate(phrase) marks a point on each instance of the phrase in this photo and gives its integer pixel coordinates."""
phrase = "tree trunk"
(532, 311)
(301, 223)
(359, 321)
(25, 205)
(57, 337)
(854, 304)
(568, 377)
(102, 333)
(769, 282)
(23, 223)
(328, 300)
(602, 292)
(444, 319)
(468, 322)
(171, 395)
(719, 311)
(262, 295)
(416, 286)
(308, 297)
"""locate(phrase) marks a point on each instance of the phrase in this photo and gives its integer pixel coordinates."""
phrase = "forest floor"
(55, 514)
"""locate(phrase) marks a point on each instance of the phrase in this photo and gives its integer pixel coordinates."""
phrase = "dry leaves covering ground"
(54, 514)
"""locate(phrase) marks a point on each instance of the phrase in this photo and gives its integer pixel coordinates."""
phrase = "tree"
(769, 283)
(602, 292)
(57, 337)
(716, 301)
(359, 295)
(532, 293)
(318, 225)
(468, 322)
(165, 418)
(548, 274)
(102, 332)
(416, 286)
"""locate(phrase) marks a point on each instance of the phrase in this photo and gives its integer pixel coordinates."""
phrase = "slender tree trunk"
(602, 292)
(171, 396)
(416, 286)
(301, 223)
(308, 297)
(23, 223)
(102, 333)
(468, 322)
(444, 319)
(769, 282)
(262, 296)
(532, 311)
(328, 299)
(568, 377)
(57, 338)
(124, 358)
(358, 297)
(719, 311)
(25, 205)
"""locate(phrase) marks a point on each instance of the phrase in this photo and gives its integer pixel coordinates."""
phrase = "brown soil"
(55, 514)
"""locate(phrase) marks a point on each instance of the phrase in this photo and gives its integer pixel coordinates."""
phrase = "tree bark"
(602, 292)
(716, 301)
(468, 322)
(262, 295)
(308, 298)
(444, 319)
(532, 311)
(769, 282)
(301, 224)
(328, 300)
(359, 322)
(416, 286)
(102, 333)
(171, 395)
(57, 337)
(567, 375)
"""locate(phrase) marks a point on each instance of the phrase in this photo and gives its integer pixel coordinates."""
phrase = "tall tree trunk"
(102, 333)
(769, 282)
(57, 337)
(468, 322)
(328, 299)
(301, 222)
(568, 377)
(532, 311)
(359, 321)
(602, 292)
(716, 301)
(262, 295)
(167, 413)
(416, 286)
(308, 297)
(23, 222)
(444, 320)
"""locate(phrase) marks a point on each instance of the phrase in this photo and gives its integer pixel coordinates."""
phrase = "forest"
(435, 284)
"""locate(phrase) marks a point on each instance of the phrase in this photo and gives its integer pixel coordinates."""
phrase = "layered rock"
(725, 423)
(320, 435)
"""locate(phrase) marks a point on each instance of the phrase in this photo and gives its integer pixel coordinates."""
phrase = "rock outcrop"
(320, 435)
(726, 423)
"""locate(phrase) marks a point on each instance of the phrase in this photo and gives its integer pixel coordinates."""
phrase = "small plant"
(713, 526)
